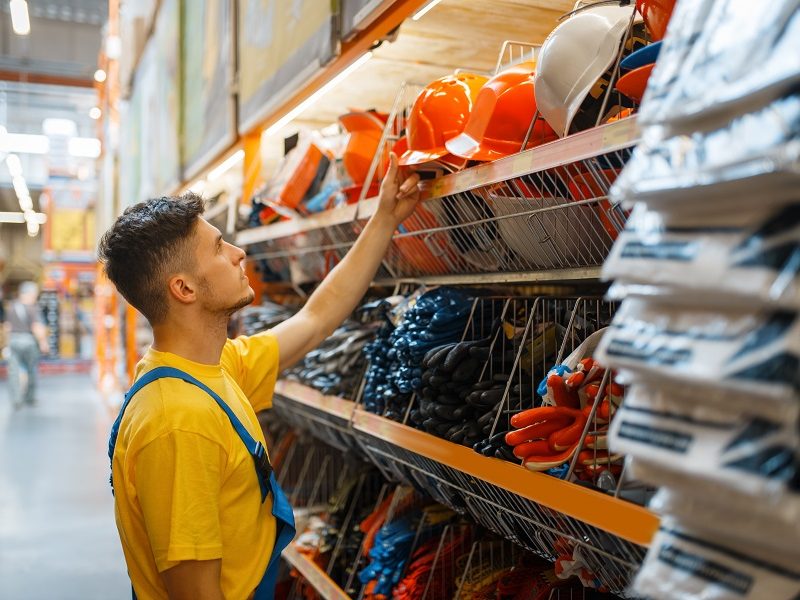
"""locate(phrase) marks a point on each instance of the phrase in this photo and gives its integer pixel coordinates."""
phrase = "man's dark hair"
(146, 245)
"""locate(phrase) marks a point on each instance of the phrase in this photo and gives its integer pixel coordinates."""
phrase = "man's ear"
(182, 289)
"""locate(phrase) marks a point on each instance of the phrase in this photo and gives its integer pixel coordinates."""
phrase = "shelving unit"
(540, 215)
(534, 510)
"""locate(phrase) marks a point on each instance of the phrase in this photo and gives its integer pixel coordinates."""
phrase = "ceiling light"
(33, 227)
(95, 112)
(20, 187)
(25, 143)
(226, 165)
(289, 117)
(424, 10)
(53, 126)
(84, 147)
(22, 217)
(198, 186)
(20, 21)
(99, 76)
(14, 165)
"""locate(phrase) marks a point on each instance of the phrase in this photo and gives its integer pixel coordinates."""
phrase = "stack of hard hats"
(576, 62)
(363, 145)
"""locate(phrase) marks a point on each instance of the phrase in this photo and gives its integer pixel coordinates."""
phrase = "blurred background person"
(27, 340)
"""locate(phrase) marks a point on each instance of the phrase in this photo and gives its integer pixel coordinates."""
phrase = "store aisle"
(57, 532)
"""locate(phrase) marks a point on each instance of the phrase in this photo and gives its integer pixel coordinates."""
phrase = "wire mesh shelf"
(325, 417)
(549, 532)
(541, 210)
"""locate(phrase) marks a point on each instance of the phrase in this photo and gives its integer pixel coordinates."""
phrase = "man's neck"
(194, 339)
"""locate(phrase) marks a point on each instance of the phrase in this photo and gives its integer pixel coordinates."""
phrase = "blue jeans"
(24, 356)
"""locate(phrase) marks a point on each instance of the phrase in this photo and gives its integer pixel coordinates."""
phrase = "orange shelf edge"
(311, 572)
(304, 394)
(626, 520)
(623, 519)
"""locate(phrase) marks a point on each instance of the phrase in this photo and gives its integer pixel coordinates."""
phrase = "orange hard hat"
(656, 15)
(365, 130)
(439, 114)
(501, 117)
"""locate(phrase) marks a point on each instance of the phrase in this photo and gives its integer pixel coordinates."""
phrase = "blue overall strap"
(281, 509)
(284, 534)
(255, 448)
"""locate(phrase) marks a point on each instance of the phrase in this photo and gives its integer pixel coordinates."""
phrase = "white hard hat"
(573, 57)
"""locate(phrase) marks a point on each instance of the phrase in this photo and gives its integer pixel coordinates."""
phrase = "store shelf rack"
(327, 417)
(541, 211)
(534, 510)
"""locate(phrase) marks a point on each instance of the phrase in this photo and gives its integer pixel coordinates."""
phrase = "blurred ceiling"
(62, 46)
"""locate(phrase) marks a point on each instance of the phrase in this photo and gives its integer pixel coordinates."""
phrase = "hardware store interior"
(501, 296)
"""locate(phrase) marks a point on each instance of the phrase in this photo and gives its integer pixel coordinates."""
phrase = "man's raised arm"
(341, 291)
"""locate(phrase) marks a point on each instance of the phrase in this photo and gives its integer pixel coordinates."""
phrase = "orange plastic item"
(296, 175)
(365, 130)
(633, 84)
(440, 113)
(656, 14)
(585, 186)
(424, 252)
(501, 117)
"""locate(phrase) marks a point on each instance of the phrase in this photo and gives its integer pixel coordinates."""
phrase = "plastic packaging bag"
(685, 564)
(753, 355)
(784, 506)
(748, 452)
(744, 55)
(736, 256)
(724, 169)
(756, 524)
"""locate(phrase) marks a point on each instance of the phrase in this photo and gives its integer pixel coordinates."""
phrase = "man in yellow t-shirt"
(188, 502)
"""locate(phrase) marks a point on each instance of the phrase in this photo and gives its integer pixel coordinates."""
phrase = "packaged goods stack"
(708, 336)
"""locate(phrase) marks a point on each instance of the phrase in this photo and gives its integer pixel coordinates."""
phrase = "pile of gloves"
(548, 436)
(395, 373)
(452, 402)
(336, 366)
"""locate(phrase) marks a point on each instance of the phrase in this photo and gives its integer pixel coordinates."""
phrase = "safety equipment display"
(440, 113)
(573, 57)
(502, 117)
(365, 130)
(656, 15)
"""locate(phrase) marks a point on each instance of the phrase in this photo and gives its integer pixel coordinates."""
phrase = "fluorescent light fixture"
(289, 117)
(95, 112)
(84, 147)
(25, 143)
(424, 10)
(20, 187)
(20, 21)
(226, 165)
(33, 227)
(100, 76)
(21, 217)
(14, 165)
(53, 126)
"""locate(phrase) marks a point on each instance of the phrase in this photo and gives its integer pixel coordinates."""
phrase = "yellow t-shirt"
(185, 484)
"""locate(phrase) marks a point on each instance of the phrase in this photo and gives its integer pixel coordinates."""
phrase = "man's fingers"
(409, 185)
(391, 172)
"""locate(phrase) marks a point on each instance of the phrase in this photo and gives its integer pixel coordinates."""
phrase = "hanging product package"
(736, 352)
(781, 506)
(748, 452)
(756, 523)
(721, 169)
(731, 57)
(685, 564)
(714, 259)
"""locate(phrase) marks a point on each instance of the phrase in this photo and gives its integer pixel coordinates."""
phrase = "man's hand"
(399, 195)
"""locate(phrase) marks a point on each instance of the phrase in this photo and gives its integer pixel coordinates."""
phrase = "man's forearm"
(341, 291)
